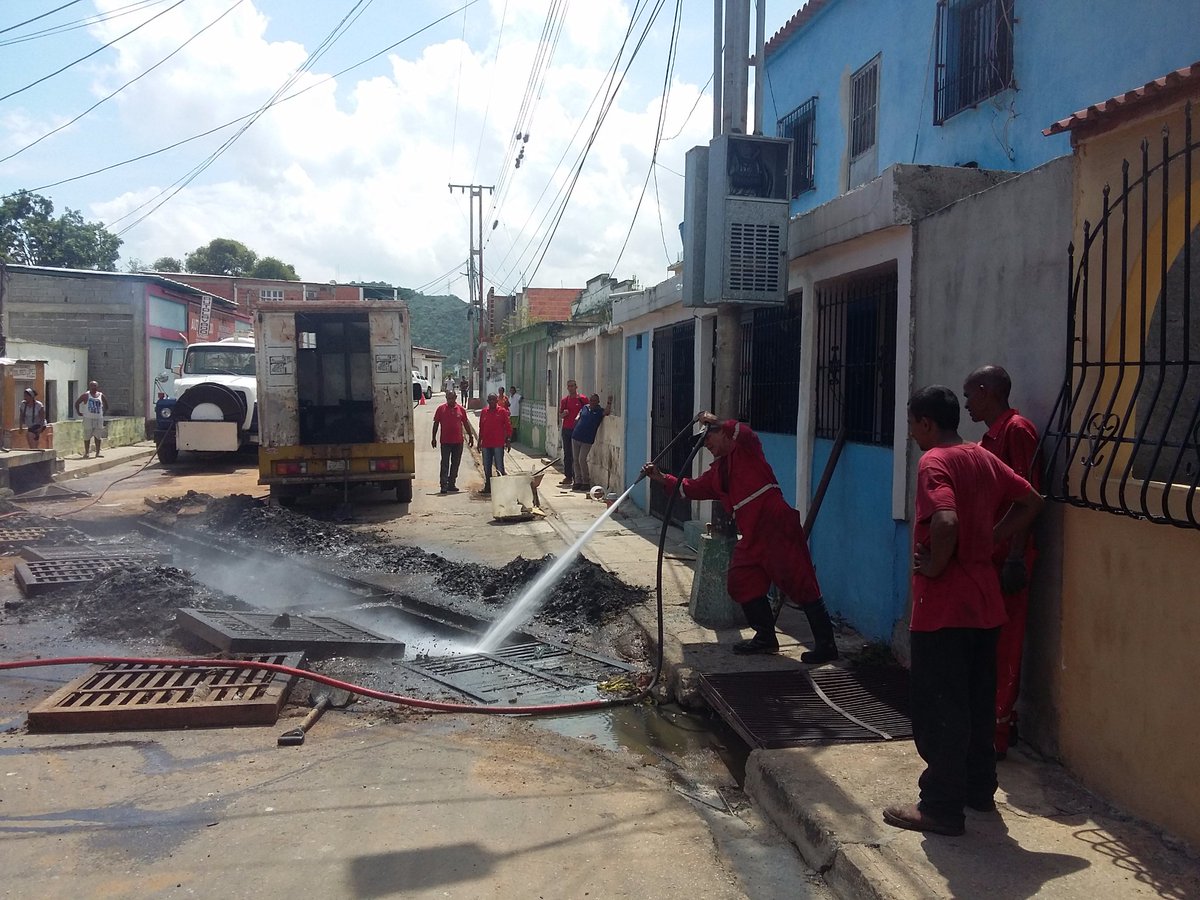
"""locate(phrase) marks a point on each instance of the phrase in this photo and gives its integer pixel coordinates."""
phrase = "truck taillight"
(291, 468)
(385, 465)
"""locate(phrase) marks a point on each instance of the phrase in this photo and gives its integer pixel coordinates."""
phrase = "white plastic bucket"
(512, 496)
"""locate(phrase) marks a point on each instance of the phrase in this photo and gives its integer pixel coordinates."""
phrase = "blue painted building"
(931, 220)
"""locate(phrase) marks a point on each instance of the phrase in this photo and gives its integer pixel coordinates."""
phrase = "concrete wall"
(1068, 55)
(122, 431)
(104, 315)
(63, 366)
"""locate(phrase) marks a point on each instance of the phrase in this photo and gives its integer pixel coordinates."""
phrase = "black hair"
(936, 402)
(995, 379)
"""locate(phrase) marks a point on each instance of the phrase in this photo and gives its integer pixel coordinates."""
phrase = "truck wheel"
(429, 393)
(168, 451)
(229, 401)
(404, 492)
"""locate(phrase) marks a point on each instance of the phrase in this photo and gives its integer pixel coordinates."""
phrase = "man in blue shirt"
(584, 435)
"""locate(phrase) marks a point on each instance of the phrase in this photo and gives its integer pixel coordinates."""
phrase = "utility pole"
(475, 367)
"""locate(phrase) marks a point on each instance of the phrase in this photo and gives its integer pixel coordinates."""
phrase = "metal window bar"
(746, 384)
(856, 358)
(775, 368)
(800, 125)
(864, 100)
(1124, 437)
(974, 54)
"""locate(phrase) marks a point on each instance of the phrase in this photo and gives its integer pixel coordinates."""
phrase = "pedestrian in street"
(1014, 440)
(464, 390)
(568, 411)
(583, 436)
(452, 419)
(502, 399)
(495, 433)
(93, 416)
(514, 408)
(773, 548)
(967, 501)
(31, 414)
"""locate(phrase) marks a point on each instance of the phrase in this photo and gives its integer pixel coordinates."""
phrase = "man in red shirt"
(1014, 440)
(773, 548)
(568, 411)
(495, 431)
(966, 502)
(453, 421)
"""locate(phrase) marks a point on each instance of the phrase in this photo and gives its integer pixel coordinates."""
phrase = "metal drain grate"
(11, 538)
(125, 696)
(254, 631)
(35, 577)
(533, 672)
(830, 705)
(45, 554)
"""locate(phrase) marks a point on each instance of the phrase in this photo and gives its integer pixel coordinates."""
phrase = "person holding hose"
(773, 548)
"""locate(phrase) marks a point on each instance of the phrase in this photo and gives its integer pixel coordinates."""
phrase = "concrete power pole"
(475, 367)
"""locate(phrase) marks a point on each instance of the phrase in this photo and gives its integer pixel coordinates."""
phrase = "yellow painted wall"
(1129, 676)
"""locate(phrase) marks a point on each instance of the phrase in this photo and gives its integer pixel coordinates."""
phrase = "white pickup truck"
(212, 400)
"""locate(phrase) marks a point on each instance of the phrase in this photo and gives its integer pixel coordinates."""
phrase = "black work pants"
(953, 697)
(568, 454)
(451, 457)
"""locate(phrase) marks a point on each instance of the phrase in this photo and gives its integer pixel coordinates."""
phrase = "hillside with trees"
(439, 322)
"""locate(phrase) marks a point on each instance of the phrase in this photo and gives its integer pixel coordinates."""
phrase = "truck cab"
(212, 400)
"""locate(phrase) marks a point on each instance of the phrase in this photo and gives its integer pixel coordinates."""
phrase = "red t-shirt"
(451, 420)
(571, 407)
(1014, 439)
(495, 428)
(976, 485)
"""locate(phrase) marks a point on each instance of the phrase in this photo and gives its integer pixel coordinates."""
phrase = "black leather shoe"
(983, 804)
(914, 819)
(756, 644)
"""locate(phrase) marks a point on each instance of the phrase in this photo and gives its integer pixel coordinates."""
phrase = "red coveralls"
(773, 548)
(1013, 439)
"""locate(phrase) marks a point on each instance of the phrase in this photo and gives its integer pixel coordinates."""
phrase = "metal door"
(672, 407)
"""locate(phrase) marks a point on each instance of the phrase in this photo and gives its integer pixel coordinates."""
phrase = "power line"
(93, 53)
(85, 22)
(36, 18)
(487, 108)
(242, 118)
(457, 92)
(34, 143)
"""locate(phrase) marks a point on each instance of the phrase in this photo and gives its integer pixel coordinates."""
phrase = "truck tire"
(229, 401)
(168, 451)
(428, 393)
(404, 491)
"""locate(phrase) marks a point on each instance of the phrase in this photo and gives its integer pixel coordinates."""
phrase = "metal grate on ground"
(830, 705)
(35, 577)
(534, 673)
(14, 536)
(122, 552)
(128, 696)
(254, 631)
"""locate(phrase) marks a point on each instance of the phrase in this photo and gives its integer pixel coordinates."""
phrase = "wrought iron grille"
(864, 103)
(672, 399)
(800, 125)
(856, 358)
(775, 368)
(1125, 435)
(974, 54)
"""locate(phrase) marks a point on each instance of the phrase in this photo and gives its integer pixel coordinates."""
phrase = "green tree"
(167, 264)
(221, 256)
(270, 267)
(30, 235)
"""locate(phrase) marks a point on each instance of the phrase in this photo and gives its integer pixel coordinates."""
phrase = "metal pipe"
(718, 68)
(760, 64)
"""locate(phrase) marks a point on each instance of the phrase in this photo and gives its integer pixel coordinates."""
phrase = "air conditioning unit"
(736, 220)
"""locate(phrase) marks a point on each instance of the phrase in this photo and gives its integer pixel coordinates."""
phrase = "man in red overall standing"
(1014, 439)
(773, 548)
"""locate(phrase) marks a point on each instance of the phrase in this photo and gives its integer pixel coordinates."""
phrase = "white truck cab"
(212, 401)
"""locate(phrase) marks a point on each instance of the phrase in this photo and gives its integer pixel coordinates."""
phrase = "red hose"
(386, 696)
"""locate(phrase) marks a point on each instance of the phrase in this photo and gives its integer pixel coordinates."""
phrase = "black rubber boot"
(824, 646)
(761, 618)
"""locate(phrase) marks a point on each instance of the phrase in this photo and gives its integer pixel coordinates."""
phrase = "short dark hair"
(936, 402)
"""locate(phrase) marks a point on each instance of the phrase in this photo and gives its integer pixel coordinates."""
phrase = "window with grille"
(769, 376)
(856, 358)
(974, 54)
(864, 106)
(271, 294)
(800, 125)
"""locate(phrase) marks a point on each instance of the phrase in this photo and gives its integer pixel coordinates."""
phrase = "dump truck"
(335, 397)
(209, 402)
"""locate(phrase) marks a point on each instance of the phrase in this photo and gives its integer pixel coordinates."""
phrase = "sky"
(380, 105)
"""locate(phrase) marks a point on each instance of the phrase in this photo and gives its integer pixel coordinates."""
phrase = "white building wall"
(64, 366)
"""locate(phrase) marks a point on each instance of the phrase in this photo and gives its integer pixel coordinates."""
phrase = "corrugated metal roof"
(1114, 110)
(794, 24)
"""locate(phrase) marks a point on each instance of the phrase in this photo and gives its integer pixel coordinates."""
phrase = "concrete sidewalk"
(1050, 836)
(75, 466)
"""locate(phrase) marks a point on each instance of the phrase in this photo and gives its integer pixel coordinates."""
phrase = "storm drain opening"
(322, 635)
(795, 708)
(15, 537)
(133, 696)
(35, 576)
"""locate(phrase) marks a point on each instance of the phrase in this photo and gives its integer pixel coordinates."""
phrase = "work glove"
(1013, 576)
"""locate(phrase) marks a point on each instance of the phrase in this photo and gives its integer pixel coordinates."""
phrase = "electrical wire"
(42, 16)
(93, 53)
(55, 131)
(242, 118)
(457, 95)
(487, 107)
(87, 22)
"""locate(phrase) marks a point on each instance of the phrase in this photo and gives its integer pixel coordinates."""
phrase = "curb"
(92, 466)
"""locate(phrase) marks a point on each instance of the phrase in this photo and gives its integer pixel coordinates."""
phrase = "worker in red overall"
(772, 549)
(1013, 439)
